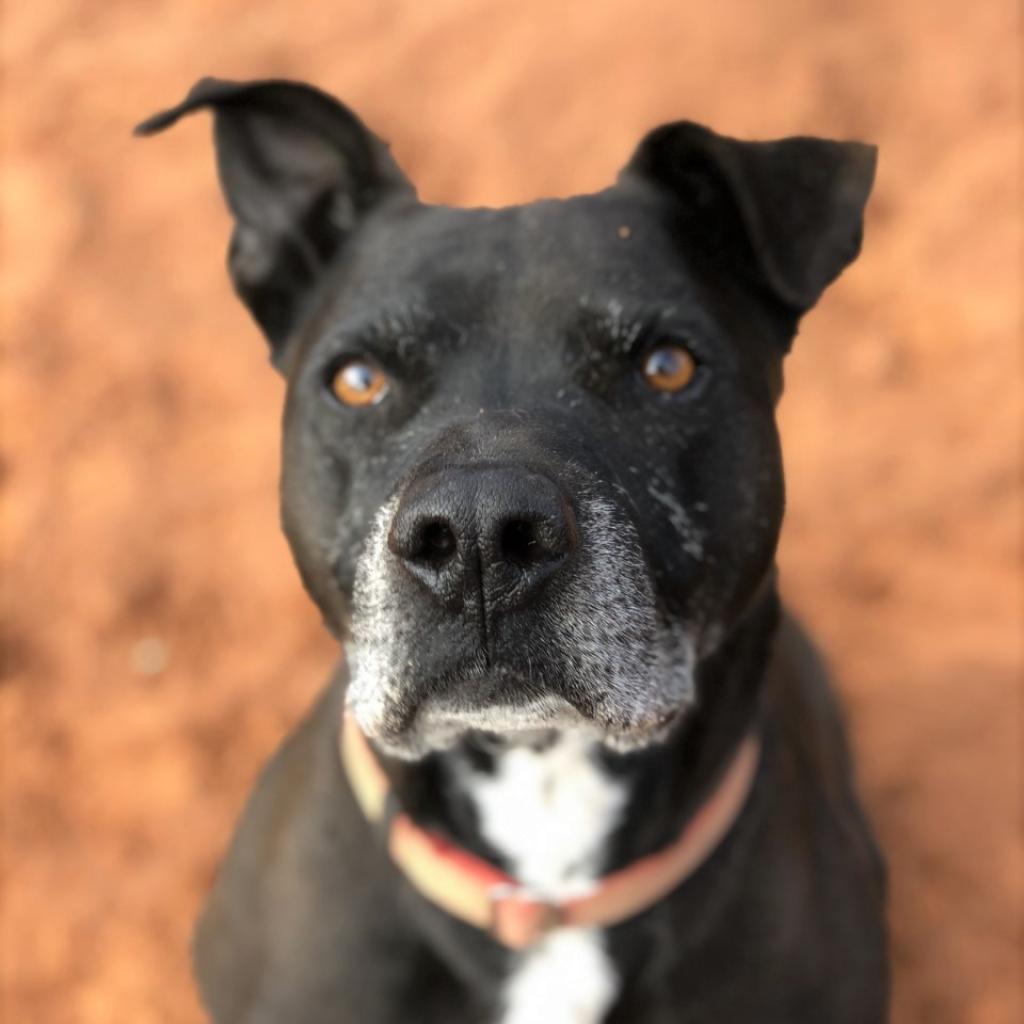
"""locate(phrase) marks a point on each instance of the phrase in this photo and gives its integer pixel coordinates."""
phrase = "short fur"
(631, 635)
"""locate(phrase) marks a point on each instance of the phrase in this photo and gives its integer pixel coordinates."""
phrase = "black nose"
(496, 531)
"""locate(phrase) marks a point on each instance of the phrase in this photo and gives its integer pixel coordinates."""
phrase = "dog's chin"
(435, 726)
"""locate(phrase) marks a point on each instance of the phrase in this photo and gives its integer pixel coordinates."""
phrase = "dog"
(578, 764)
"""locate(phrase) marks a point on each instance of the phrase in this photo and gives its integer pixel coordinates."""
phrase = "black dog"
(531, 476)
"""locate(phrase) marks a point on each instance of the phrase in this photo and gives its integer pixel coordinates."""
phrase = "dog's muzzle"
(488, 597)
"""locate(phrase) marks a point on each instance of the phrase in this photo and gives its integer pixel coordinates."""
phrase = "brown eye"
(359, 383)
(669, 368)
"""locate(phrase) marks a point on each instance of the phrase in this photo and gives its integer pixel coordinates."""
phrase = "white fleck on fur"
(692, 539)
(550, 812)
(620, 330)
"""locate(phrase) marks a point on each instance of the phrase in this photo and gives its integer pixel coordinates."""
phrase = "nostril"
(519, 543)
(523, 545)
(436, 543)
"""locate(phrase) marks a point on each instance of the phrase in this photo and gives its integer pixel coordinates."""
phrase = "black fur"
(512, 339)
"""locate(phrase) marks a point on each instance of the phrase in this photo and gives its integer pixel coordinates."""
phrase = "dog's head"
(530, 465)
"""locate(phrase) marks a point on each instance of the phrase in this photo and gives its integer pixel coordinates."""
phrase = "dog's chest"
(550, 813)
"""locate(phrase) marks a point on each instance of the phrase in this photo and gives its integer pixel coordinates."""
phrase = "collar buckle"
(518, 921)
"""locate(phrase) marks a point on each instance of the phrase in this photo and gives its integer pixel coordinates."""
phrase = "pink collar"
(475, 891)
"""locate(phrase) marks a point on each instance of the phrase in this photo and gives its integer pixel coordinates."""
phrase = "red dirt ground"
(157, 641)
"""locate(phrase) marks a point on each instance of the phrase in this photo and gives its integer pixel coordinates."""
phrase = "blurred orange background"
(157, 642)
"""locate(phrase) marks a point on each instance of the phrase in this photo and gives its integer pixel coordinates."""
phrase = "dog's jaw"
(624, 676)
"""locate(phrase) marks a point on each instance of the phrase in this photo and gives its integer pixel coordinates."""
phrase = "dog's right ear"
(299, 171)
(789, 212)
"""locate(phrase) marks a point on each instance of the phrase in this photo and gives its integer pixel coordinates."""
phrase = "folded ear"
(789, 211)
(298, 171)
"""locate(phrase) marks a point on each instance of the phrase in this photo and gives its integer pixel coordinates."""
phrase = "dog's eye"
(358, 382)
(669, 368)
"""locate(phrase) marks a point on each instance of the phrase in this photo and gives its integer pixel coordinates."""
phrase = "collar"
(478, 893)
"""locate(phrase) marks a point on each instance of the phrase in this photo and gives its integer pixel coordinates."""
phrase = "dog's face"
(531, 471)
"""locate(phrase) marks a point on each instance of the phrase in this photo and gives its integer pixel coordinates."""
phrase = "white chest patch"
(566, 979)
(550, 813)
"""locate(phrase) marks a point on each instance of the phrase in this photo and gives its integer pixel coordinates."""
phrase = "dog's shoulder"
(804, 709)
(830, 872)
(799, 887)
(232, 940)
(302, 883)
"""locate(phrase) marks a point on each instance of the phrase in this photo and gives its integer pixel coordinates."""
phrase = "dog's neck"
(662, 786)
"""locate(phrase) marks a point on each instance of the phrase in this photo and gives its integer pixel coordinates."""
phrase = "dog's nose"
(497, 530)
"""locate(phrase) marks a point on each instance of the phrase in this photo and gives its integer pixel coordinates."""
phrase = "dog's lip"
(445, 703)
(537, 712)
(408, 721)
(647, 732)
(498, 742)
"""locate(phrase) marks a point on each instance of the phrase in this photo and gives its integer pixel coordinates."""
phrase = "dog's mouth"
(498, 707)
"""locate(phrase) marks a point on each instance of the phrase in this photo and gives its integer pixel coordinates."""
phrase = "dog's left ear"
(299, 172)
(790, 211)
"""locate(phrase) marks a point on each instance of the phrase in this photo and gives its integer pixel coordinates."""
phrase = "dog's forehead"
(527, 258)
